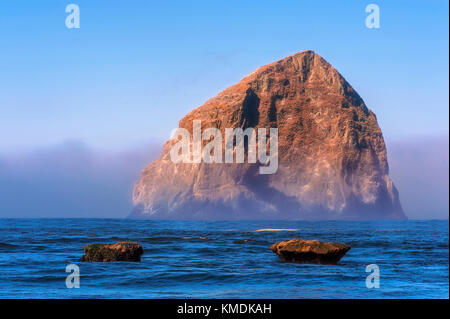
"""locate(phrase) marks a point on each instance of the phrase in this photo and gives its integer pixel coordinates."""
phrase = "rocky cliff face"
(332, 156)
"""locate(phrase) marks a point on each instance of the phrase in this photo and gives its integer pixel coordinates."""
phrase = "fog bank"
(73, 180)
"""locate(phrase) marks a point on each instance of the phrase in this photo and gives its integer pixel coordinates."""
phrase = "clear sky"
(134, 68)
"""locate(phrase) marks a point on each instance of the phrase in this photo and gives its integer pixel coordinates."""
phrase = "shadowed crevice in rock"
(250, 110)
(272, 114)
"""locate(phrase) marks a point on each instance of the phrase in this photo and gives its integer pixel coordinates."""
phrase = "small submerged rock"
(241, 241)
(123, 251)
(309, 251)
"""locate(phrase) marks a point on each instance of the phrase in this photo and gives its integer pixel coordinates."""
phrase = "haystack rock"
(331, 153)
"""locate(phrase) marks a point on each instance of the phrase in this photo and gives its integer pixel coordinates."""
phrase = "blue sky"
(134, 68)
(105, 92)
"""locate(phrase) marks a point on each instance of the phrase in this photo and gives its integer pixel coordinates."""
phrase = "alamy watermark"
(373, 19)
(73, 19)
(373, 279)
(73, 279)
(188, 150)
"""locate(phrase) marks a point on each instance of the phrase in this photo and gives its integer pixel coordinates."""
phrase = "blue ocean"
(194, 259)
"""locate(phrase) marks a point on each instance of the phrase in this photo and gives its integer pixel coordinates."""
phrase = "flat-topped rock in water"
(123, 251)
(309, 251)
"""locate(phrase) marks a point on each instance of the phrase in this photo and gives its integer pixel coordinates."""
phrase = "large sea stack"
(332, 156)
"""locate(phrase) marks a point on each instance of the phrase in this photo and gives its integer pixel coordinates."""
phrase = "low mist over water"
(73, 180)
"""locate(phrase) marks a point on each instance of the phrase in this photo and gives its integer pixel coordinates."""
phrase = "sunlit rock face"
(331, 153)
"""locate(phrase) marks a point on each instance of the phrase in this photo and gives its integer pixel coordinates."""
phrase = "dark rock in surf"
(112, 252)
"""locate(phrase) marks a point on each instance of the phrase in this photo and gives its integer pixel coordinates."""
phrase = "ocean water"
(192, 259)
